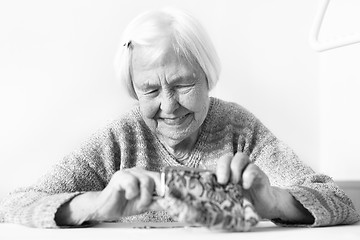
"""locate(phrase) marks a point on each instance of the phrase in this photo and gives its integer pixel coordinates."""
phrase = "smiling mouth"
(175, 121)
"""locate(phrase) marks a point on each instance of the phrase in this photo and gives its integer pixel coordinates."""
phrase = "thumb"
(156, 177)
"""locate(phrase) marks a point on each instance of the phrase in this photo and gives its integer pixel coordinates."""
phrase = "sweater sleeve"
(87, 169)
(316, 192)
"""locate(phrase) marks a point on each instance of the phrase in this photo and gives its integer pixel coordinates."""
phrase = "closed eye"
(185, 87)
(152, 92)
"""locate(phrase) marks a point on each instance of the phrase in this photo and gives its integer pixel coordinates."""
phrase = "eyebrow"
(181, 78)
(147, 85)
(173, 80)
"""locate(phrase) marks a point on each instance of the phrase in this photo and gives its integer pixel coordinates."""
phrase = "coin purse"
(194, 196)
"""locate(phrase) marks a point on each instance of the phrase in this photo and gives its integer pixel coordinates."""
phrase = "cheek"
(197, 101)
(148, 108)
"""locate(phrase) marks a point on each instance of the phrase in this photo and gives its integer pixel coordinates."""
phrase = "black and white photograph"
(179, 119)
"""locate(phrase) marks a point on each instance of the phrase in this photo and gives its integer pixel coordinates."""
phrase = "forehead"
(146, 63)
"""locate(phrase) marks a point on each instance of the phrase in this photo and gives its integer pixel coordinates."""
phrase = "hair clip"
(127, 44)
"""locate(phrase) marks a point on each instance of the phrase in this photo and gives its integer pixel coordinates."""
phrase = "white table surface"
(264, 230)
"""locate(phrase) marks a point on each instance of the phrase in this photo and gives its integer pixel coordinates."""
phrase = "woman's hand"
(129, 192)
(256, 185)
(270, 202)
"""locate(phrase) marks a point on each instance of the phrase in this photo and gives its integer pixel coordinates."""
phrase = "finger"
(125, 181)
(223, 169)
(148, 181)
(251, 173)
(237, 166)
(146, 190)
(156, 178)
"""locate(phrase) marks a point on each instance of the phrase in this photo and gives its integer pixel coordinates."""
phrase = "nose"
(169, 102)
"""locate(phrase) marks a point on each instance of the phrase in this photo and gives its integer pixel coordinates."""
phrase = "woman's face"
(173, 96)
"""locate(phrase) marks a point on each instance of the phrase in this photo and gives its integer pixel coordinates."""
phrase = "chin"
(171, 142)
(174, 139)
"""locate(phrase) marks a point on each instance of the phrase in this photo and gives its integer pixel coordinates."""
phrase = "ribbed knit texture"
(128, 142)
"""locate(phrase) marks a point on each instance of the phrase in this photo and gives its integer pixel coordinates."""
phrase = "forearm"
(33, 208)
(77, 211)
(289, 210)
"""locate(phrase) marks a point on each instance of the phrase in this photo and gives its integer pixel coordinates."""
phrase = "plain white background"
(57, 83)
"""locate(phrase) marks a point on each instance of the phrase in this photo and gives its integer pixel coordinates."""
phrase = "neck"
(182, 149)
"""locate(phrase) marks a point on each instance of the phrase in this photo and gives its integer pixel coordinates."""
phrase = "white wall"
(339, 81)
(57, 85)
(340, 112)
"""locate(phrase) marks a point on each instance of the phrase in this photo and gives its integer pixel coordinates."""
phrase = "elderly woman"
(169, 65)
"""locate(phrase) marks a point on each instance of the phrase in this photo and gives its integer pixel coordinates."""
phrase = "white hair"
(154, 30)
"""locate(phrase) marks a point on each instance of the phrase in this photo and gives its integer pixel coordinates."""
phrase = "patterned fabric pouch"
(194, 196)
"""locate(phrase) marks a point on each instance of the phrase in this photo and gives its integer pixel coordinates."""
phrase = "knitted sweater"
(128, 142)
